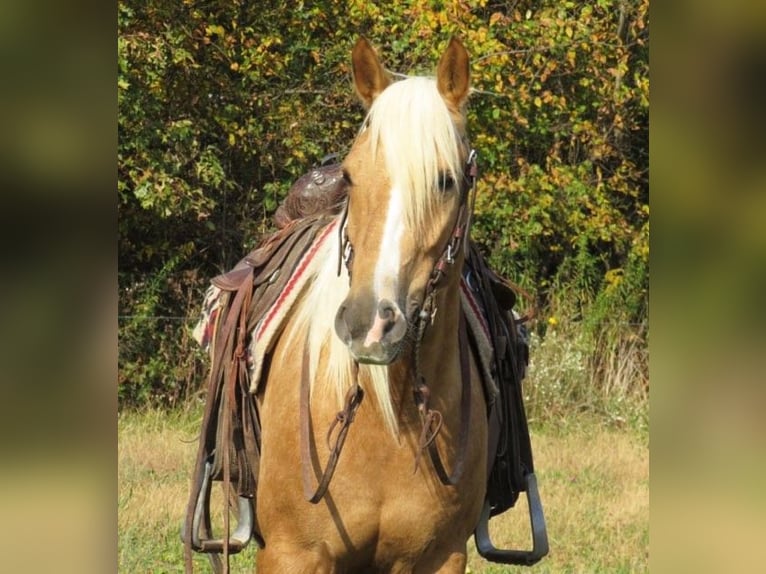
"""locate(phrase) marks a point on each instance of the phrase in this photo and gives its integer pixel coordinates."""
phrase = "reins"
(344, 418)
(432, 419)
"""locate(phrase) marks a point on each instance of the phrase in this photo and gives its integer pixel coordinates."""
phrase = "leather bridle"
(431, 419)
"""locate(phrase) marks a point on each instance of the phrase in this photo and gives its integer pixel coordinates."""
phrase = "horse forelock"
(420, 138)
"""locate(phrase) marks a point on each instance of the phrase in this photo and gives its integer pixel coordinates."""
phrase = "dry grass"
(155, 454)
(594, 483)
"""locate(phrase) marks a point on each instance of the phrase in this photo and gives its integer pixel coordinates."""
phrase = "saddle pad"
(269, 327)
(477, 325)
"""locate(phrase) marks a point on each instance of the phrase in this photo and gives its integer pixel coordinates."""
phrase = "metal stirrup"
(241, 535)
(539, 533)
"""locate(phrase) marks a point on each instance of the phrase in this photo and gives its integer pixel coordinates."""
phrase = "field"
(594, 484)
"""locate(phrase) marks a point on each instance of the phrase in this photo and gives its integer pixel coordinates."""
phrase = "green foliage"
(222, 105)
(158, 361)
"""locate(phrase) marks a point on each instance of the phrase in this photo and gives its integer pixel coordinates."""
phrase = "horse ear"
(453, 74)
(370, 78)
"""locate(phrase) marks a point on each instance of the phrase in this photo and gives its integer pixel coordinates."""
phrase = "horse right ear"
(453, 74)
(370, 77)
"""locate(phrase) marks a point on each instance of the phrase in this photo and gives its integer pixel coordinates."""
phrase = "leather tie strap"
(343, 418)
(216, 394)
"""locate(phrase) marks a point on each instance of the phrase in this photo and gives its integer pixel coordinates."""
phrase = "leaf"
(215, 30)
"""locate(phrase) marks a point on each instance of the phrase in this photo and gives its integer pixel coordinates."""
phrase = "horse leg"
(450, 560)
(276, 558)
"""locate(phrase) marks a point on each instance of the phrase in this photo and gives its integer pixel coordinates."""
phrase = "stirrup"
(241, 535)
(539, 533)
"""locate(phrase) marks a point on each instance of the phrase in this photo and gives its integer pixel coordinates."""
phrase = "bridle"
(458, 238)
(431, 419)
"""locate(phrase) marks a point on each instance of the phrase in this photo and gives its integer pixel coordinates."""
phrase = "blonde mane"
(313, 323)
(412, 124)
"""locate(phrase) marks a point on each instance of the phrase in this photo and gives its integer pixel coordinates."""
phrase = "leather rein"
(431, 419)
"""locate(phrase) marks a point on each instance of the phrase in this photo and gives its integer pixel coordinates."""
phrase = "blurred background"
(58, 353)
(708, 189)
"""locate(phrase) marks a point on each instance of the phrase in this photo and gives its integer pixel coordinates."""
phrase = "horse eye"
(446, 182)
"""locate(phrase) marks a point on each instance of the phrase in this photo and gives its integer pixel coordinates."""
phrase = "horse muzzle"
(373, 330)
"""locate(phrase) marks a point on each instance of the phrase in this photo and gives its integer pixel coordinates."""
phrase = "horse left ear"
(453, 74)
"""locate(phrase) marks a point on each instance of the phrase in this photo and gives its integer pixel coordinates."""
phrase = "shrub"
(223, 105)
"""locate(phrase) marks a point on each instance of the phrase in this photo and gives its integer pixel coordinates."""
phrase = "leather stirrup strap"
(236, 366)
(344, 418)
(465, 416)
(224, 340)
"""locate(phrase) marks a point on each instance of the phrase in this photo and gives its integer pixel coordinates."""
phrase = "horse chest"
(383, 492)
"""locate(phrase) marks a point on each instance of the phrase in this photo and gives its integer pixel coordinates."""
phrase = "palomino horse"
(380, 341)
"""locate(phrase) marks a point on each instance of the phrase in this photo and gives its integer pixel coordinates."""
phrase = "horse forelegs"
(278, 558)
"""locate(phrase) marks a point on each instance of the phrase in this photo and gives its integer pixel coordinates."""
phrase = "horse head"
(407, 193)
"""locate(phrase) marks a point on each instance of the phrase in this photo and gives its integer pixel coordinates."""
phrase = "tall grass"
(589, 349)
(573, 373)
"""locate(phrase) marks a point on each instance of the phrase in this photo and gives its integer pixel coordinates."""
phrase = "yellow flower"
(552, 321)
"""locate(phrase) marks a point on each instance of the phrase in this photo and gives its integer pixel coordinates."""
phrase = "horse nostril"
(341, 327)
(387, 313)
